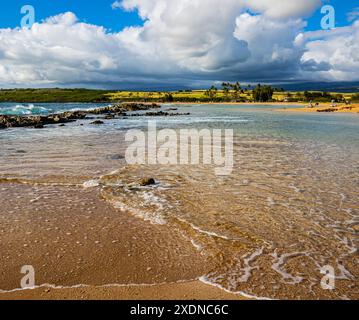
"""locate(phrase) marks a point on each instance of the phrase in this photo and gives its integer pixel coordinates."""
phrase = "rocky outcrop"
(8, 121)
(40, 121)
(122, 108)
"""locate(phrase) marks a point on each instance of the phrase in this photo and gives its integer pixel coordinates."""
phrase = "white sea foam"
(344, 273)
(248, 268)
(197, 246)
(151, 216)
(80, 286)
(278, 266)
(208, 233)
(208, 281)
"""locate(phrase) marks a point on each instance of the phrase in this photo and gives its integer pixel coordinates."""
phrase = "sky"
(191, 43)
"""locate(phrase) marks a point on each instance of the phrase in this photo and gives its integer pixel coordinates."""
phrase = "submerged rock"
(97, 122)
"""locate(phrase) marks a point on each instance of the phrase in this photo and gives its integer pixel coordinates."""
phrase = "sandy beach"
(301, 106)
(327, 108)
(80, 240)
(191, 290)
(70, 210)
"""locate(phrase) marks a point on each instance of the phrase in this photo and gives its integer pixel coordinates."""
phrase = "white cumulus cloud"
(180, 42)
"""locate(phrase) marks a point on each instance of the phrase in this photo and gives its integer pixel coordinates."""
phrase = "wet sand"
(71, 237)
(192, 290)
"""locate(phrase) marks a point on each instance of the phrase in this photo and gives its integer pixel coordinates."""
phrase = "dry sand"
(326, 108)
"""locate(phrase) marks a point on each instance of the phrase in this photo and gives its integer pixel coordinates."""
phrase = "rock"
(116, 157)
(110, 112)
(123, 107)
(328, 110)
(147, 182)
(109, 117)
(97, 122)
(158, 114)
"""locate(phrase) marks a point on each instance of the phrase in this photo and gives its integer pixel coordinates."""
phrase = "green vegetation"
(53, 95)
(263, 93)
(355, 97)
(229, 92)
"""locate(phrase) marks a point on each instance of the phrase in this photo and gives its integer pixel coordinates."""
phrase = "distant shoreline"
(324, 107)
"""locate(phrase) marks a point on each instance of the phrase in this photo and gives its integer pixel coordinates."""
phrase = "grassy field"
(53, 95)
(86, 95)
(200, 96)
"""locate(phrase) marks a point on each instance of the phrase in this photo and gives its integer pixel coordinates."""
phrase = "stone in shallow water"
(147, 182)
(97, 122)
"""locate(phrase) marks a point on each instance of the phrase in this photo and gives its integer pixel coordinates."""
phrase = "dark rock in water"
(109, 117)
(147, 182)
(62, 125)
(123, 107)
(39, 126)
(21, 151)
(116, 157)
(328, 110)
(97, 122)
(159, 114)
(39, 121)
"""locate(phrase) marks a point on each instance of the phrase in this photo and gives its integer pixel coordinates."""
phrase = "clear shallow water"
(289, 208)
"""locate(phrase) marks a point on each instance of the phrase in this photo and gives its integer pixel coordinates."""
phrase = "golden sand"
(327, 108)
(192, 290)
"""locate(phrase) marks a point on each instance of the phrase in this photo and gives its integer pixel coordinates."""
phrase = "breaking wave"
(23, 110)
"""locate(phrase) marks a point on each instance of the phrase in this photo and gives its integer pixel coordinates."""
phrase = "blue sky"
(94, 12)
(101, 12)
(342, 8)
(185, 43)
